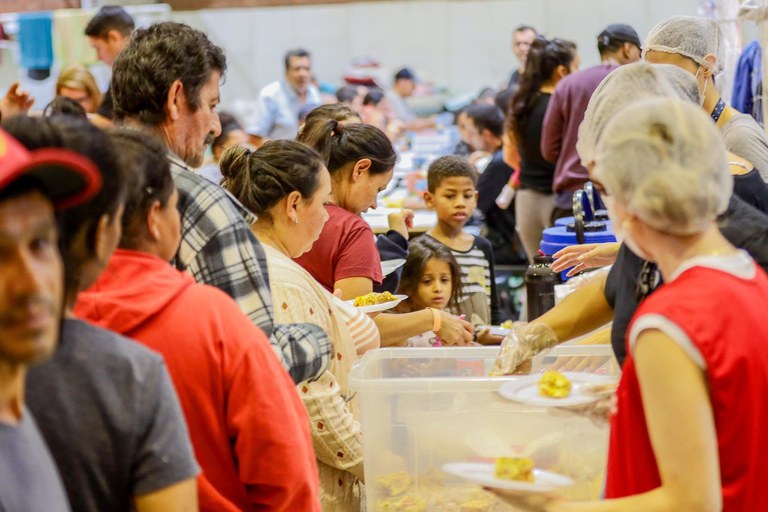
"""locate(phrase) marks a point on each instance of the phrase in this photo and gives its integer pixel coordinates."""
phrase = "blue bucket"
(558, 237)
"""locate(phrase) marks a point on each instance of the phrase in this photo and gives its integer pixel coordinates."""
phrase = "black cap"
(405, 74)
(619, 32)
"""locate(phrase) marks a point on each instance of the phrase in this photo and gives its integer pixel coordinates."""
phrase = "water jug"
(540, 281)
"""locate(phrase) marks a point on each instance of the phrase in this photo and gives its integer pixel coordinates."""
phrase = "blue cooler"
(594, 226)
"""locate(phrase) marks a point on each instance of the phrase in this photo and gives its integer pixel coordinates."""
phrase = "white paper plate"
(375, 308)
(482, 473)
(525, 390)
(495, 330)
(389, 266)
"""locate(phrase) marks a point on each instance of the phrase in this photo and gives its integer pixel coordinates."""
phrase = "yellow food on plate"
(554, 385)
(370, 299)
(507, 324)
(514, 468)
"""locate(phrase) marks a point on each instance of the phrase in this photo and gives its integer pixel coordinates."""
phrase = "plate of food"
(509, 473)
(389, 266)
(555, 389)
(496, 330)
(376, 302)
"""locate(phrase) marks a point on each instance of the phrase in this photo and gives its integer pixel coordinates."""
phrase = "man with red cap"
(32, 186)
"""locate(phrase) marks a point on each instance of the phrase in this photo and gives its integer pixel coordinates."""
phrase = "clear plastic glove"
(584, 256)
(401, 221)
(520, 345)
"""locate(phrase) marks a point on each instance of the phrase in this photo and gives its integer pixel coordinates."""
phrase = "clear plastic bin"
(422, 408)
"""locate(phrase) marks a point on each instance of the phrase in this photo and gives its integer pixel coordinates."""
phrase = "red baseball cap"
(66, 177)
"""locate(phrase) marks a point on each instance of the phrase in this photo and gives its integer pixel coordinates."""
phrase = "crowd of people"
(176, 332)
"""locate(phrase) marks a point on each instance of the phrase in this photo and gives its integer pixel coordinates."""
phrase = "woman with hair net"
(616, 295)
(696, 45)
(687, 429)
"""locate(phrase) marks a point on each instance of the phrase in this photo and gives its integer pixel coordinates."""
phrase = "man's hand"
(16, 101)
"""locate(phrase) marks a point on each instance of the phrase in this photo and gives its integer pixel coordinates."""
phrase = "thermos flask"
(540, 282)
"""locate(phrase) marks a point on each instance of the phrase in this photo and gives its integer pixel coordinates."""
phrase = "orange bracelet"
(436, 319)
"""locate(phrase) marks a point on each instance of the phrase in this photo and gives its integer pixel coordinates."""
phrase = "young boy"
(452, 193)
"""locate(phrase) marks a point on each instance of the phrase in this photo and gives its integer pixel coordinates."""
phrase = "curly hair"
(156, 57)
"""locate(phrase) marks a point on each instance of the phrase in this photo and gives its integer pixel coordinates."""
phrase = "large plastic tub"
(422, 408)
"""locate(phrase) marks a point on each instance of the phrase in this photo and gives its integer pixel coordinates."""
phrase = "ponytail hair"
(260, 179)
(340, 144)
(337, 111)
(543, 60)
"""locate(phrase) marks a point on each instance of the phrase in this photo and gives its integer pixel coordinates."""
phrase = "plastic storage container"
(423, 408)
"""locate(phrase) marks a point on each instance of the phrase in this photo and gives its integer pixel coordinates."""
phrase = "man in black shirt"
(109, 31)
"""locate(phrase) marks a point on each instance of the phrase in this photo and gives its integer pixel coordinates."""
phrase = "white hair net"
(625, 86)
(689, 36)
(664, 161)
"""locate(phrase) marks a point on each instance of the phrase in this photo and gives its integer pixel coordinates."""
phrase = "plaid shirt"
(219, 249)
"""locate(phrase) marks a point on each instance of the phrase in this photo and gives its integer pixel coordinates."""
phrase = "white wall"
(460, 44)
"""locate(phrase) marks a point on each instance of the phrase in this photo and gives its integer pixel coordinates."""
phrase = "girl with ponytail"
(360, 159)
(548, 62)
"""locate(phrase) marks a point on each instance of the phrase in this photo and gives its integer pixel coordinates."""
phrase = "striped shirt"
(479, 301)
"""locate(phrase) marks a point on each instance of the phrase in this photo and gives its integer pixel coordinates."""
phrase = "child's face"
(454, 200)
(434, 289)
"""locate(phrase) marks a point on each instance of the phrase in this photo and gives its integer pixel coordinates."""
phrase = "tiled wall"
(461, 44)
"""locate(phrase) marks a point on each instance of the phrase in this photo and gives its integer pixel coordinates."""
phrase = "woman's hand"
(585, 256)
(454, 330)
(401, 221)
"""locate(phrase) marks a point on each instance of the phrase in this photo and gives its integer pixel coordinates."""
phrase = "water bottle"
(540, 282)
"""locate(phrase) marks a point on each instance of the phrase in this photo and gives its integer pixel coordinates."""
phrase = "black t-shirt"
(742, 225)
(500, 224)
(752, 189)
(491, 181)
(535, 172)
(514, 80)
(111, 418)
(106, 109)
